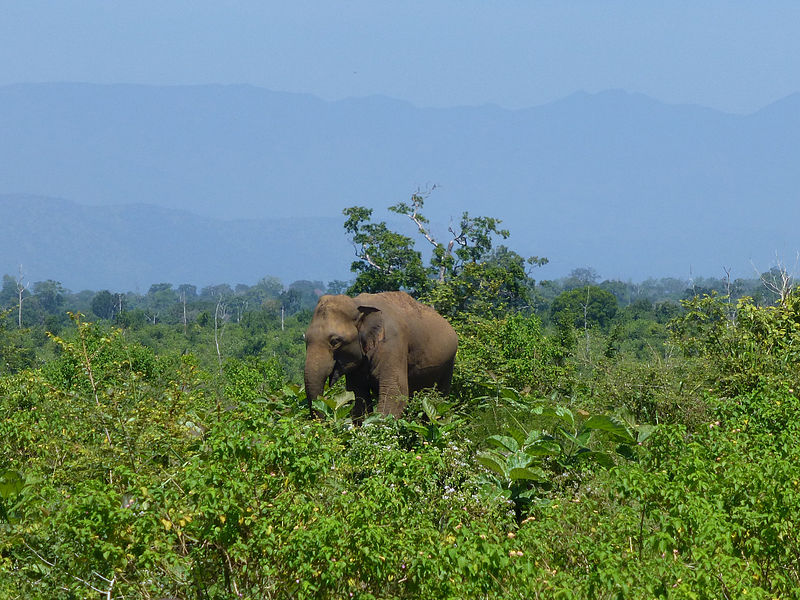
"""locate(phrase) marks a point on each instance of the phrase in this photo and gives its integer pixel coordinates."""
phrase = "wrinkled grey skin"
(387, 346)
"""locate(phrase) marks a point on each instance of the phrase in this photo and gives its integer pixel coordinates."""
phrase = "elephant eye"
(336, 341)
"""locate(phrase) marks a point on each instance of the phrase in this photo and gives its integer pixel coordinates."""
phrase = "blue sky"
(734, 56)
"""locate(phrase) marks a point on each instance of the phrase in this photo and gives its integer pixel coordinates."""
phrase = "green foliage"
(11, 486)
(523, 463)
(656, 390)
(492, 287)
(17, 350)
(387, 260)
(336, 408)
(585, 307)
(150, 471)
(744, 345)
(466, 274)
(438, 422)
(512, 350)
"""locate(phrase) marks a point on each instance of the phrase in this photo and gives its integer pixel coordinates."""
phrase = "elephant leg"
(361, 389)
(446, 378)
(359, 410)
(393, 394)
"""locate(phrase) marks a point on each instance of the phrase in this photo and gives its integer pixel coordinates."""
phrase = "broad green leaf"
(530, 473)
(543, 448)
(559, 412)
(644, 431)
(329, 402)
(430, 409)
(341, 412)
(610, 425)
(509, 394)
(11, 484)
(534, 436)
(292, 390)
(519, 459)
(626, 451)
(343, 398)
(503, 441)
(493, 462)
(581, 440)
(517, 434)
(322, 406)
(601, 458)
(417, 428)
(443, 408)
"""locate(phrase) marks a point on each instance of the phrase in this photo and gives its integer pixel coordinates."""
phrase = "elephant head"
(334, 344)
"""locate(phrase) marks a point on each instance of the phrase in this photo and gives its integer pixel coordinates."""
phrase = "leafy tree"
(337, 286)
(215, 292)
(8, 294)
(581, 277)
(466, 274)
(585, 307)
(270, 287)
(50, 295)
(161, 298)
(187, 290)
(490, 288)
(386, 260)
(103, 304)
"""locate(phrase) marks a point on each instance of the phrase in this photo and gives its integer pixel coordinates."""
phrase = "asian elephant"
(387, 346)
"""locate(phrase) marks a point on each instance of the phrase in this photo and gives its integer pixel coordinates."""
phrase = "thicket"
(553, 471)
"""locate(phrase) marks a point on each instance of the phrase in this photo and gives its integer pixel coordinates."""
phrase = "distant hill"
(623, 183)
(128, 248)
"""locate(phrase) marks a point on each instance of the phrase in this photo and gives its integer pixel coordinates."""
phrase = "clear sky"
(732, 55)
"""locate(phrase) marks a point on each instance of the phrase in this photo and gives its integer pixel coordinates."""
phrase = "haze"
(733, 56)
(642, 139)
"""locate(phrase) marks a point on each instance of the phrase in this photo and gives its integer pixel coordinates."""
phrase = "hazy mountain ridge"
(130, 247)
(620, 181)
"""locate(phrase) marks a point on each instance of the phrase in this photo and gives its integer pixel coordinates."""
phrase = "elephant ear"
(370, 328)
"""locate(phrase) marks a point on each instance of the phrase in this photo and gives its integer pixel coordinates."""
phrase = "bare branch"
(783, 284)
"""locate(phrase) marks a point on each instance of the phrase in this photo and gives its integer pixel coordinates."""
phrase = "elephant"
(387, 345)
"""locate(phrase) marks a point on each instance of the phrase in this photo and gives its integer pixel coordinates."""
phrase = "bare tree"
(780, 280)
(21, 287)
(219, 316)
(729, 293)
(183, 301)
(586, 321)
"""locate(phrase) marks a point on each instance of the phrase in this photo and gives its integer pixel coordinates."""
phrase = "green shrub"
(511, 352)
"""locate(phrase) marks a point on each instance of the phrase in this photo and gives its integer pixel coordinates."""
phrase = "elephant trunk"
(319, 366)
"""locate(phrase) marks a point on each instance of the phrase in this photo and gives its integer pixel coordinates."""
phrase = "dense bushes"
(513, 352)
(135, 474)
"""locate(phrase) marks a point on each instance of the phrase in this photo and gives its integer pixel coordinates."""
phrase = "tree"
(585, 307)
(161, 297)
(104, 304)
(465, 272)
(386, 260)
(8, 294)
(187, 291)
(581, 277)
(215, 292)
(21, 288)
(270, 287)
(491, 287)
(471, 240)
(49, 295)
(337, 286)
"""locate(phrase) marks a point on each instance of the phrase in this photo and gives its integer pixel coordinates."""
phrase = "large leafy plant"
(522, 464)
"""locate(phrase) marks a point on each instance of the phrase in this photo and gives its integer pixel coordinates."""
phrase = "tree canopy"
(466, 272)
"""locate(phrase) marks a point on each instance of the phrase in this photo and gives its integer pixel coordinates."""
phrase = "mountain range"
(204, 184)
(130, 247)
